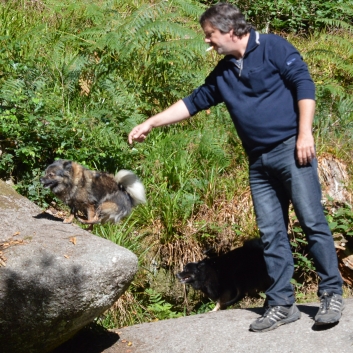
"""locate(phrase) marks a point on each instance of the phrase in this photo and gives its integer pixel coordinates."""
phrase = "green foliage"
(340, 220)
(204, 308)
(135, 311)
(303, 265)
(297, 15)
(298, 287)
(124, 234)
(207, 231)
(329, 57)
(129, 310)
(159, 307)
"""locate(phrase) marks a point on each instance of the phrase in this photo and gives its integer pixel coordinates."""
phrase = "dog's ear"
(67, 165)
(201, 264)
(210, 252)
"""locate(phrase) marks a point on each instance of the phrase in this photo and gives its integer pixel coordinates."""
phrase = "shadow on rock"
(91, 339)
(308, 310)
(323, 327)
(45, 215)
(38, 299)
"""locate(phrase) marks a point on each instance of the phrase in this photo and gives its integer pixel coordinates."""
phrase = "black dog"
(227, 278)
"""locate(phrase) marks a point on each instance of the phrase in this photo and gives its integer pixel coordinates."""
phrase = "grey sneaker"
(275, 316)
(331, 306)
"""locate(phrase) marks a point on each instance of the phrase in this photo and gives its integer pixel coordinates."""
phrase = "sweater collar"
(253, 43)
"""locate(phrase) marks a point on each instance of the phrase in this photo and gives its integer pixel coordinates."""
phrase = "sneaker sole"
(279, 323)
(328, 322)
(318, 323)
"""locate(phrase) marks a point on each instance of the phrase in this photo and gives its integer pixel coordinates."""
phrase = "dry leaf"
(129, 344)
(17, 233)
(73, 240)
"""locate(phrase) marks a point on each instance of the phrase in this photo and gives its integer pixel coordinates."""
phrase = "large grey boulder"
(55, 278)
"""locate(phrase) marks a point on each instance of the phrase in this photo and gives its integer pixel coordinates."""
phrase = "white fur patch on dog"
(132, 185)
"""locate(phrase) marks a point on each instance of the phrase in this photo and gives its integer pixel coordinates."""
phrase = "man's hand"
(140, 132)
(305, 149)
(175, 113)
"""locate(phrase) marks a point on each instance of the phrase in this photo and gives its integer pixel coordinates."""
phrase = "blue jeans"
(276, 179)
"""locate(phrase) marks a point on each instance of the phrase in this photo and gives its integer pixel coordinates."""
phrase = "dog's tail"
(133, 186)
(234, 300)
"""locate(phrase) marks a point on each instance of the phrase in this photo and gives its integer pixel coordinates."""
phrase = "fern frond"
(11, 89)
(144, 14)
(332, 54)
(183, 48)
(188, 8)
(161, 27)
(345, 109)
(336, 23)
(334, 89)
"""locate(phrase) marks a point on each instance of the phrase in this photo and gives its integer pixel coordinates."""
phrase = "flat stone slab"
(223, 331)
(228, 331)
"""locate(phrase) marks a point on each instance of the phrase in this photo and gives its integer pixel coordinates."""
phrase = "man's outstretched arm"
(175, 113)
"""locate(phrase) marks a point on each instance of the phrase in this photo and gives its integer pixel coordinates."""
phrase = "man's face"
(223, 43)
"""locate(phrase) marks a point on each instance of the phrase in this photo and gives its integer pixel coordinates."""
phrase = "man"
(270, 96)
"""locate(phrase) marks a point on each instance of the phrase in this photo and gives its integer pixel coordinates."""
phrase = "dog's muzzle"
(48, 183)
(184, 278)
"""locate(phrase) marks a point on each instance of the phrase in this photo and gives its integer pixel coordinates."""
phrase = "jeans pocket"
(290, 141)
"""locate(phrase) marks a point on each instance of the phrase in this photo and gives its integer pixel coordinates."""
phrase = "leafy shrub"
(340, 220)
(297, 15)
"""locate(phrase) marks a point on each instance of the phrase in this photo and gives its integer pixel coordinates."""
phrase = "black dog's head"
(57, 176)
(193, 274)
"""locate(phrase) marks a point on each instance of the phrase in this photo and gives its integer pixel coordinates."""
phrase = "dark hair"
(225, 17)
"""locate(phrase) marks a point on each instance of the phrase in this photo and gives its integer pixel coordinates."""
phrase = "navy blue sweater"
(262, 95)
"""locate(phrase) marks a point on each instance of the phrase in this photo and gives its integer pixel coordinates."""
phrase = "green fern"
(159, 307)
(329, 57)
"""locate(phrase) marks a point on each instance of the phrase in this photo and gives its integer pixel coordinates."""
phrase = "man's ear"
(232, 35)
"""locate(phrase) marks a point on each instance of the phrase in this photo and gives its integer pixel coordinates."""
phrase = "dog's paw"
(69, 219)
(91, 221)
(217, 307)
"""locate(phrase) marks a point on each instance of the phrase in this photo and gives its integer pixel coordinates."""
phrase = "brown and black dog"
(227, 278)
(100, 197)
